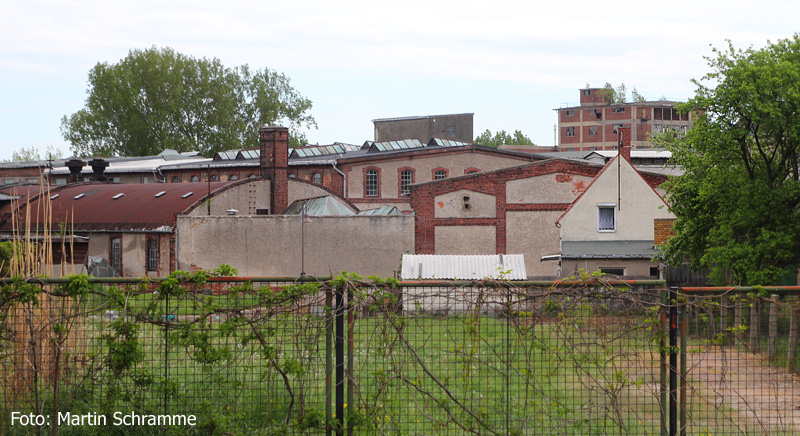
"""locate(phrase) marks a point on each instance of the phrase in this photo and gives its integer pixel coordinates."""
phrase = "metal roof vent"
(160, 194)
(55, 196)
(118, 195)
(78, 196)
(187, 195)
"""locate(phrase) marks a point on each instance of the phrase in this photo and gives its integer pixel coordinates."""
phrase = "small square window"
(570, 131)
(606, 218)
(570, 113)
(593, 130)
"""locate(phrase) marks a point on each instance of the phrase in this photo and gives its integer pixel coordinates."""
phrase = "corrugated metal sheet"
(92, 207)
(458, 267)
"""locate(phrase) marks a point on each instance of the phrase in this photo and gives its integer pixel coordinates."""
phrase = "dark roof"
(607, 249)
(119, 207)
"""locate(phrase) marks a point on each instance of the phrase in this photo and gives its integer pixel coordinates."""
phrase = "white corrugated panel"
(456, 267)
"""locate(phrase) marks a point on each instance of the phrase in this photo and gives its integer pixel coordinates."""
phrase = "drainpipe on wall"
(344, 176)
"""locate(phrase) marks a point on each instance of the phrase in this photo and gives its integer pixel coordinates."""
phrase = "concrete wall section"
(465, 203)
(272, 245)
(633, 267)
(247, 198)
(466, 239)
(534, 234)
(550, 188)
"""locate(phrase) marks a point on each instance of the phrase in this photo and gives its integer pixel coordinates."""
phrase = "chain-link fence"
(205, 355)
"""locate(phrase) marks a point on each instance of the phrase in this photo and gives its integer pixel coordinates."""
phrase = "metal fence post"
(684, 345)
(339, 347)
(663, 352)
(328, 357)
(673, 363)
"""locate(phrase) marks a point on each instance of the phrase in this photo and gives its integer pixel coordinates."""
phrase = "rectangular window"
(570, 113)
(144, 179)
(618, 110)
(116, 255)
(371, 183)
(570, 131)
(593, 130)
(439, 175)
(606, 219)
(406, 178)
(152, 254)
(614, 271)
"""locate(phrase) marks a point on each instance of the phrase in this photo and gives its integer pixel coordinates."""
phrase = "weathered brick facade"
(274, 142)
(662, 230)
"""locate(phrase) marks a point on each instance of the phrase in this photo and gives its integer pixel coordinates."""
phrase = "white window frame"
(613, 208)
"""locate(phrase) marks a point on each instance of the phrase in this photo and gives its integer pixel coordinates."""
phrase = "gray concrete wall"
(534, 234)
(633, 267)
(272, 245)
(466, 240)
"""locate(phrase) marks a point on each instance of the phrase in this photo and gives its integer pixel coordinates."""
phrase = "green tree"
(155, 99)
(502, 138)
(737, 202)
(32, 154)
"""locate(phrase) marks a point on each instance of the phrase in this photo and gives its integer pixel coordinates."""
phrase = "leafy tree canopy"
(619, 94)
(32, 154)
(502, 138)
(156, 98)
(737, 202)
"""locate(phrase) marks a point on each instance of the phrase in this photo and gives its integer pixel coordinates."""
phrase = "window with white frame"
(371, 183)
(606, 217)
(440, 174)
(406, 178)
(316, 178)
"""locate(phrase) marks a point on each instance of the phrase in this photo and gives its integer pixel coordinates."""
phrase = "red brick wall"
(274, 143)
(614, 116)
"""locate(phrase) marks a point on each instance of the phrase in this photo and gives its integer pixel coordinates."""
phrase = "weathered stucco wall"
(271, 245)
(424, 166)
(245, 198)
(453, 205)
(300, 190)
(550, 188)
(134, 252)
(466, 240)
(634, 214)
(633, 267)
(534, 234)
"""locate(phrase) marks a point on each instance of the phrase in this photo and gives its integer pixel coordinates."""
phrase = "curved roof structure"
(117, 207)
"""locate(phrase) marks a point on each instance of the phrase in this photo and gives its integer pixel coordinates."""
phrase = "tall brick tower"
(274, 144)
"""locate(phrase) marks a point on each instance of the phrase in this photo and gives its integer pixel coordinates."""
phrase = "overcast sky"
(508, 62)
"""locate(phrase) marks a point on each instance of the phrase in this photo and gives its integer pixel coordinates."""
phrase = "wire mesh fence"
(202, 355)
(741, 361)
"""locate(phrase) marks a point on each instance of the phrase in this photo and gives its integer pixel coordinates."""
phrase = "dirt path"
(745, 390)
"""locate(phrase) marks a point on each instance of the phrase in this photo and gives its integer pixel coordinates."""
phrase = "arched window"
(371, 183)
(251, 176)
(292, 176)
(406, 179)
(214, 178)
(440, 174)
(195, 179)
(316, 178)
(176, 179)
(233, 177)
(471, 170)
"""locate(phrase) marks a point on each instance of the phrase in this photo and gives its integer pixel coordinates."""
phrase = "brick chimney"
(274, 144)
(624, 144)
